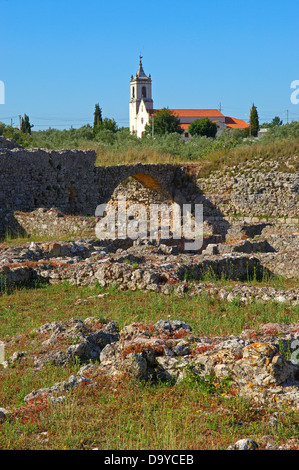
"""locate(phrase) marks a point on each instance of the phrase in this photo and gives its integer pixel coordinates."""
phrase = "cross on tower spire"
(141, 102)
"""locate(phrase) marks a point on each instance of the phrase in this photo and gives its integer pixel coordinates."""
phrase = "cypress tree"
(97, 117)
(254, 121)
(25, 125)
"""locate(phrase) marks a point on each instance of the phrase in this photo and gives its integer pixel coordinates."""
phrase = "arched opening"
(143, 92)
(133, 92)
(141, 188)
(132, 206)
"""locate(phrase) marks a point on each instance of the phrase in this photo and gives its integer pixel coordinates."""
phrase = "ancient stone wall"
(69, 181)
(255, 189)
(43, 178)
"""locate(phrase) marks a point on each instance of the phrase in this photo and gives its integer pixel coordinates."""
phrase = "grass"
(277, 151)
(214, 159)
(136, 417)
(226, 151)
(26, 309)
(11, 239)
(128, 415)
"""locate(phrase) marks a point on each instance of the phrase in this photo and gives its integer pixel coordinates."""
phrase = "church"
(141, 109)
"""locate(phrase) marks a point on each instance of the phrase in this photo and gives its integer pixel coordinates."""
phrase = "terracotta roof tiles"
(197, 112)
(234, 123)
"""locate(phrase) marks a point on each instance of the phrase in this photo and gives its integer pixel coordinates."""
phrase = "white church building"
(141, 109)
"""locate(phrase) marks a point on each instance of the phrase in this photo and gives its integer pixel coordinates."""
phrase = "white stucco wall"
(142, 118)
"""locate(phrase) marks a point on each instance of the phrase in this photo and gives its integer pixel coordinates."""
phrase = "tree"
(97, 116)
(163, 122)
(100, 124)
(254, 121)
(276, 121)
(25, 125)
(203, 127)
(109, 124)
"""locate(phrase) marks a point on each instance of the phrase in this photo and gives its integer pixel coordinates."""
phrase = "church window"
(133, 92)
(141, 120)
(143, 92)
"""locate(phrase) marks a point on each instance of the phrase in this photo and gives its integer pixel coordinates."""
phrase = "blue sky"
(60, 58)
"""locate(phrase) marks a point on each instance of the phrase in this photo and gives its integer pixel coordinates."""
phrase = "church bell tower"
(140, 96)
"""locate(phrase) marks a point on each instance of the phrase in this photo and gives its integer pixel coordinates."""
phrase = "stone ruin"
(54, 195)
(254, 362)
(250, 232)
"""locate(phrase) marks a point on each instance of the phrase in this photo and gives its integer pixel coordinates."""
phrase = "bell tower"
(140, 90)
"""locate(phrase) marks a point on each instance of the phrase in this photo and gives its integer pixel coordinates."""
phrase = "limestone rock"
(244, 444)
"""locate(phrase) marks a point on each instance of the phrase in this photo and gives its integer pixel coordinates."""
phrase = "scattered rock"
(169, 351)
(3, 413)
(244, 444)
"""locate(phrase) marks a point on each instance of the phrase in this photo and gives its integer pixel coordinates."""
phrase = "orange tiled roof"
(230, 122)
(234, 123)
(192, 112)
(197, 112)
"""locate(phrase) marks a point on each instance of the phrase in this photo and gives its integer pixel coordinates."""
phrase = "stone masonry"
(69, 181)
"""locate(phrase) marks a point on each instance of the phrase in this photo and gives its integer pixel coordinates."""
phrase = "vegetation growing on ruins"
(116, 145)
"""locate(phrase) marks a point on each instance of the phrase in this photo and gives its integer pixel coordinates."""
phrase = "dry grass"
(279, 151)
(221, 159)
(108, 156)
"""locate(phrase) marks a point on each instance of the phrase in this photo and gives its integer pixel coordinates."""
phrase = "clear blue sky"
(61, 57)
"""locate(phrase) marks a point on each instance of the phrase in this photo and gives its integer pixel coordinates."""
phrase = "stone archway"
(153, 184)
(141, 189)
(158, 177)
(131, 204)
